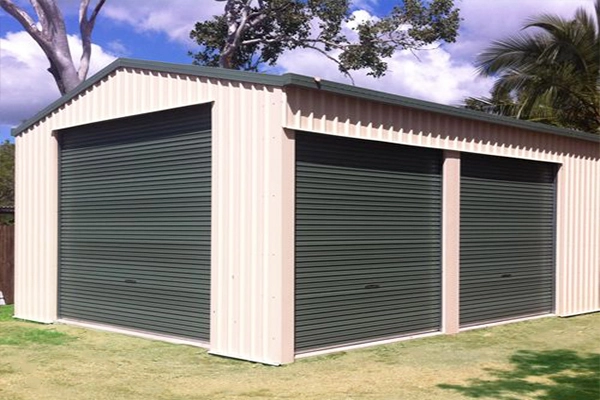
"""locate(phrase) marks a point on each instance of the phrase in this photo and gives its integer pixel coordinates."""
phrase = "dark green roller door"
(135, 222)
(367, 240)
(507, 239)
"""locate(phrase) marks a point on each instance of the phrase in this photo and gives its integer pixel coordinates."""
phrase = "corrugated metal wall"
(578, 192)
(253, 193)
(252, 231)
(36, 233)
(253, 217)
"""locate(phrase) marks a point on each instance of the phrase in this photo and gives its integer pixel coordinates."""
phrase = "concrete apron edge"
(569, 315)
(37, 321)
(507, 321)
(356, 346)
(417, 336)
(133, 332)
(242, 358)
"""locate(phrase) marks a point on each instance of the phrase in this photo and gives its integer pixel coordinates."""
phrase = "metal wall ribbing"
(253, 188)
(578, 188)
(252, 207)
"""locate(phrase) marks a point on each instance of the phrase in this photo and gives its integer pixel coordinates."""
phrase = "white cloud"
(444, 74)
(360, 17)
(367, 5)
(25, 84)
(435, 76)
(117, 48)
(485, 21)
(174, 19)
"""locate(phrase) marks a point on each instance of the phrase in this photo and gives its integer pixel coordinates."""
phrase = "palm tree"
(551, 75)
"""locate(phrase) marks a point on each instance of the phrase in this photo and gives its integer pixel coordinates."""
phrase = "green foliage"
(7, 219)
(7, 174)
(247, 36)
(551, 75)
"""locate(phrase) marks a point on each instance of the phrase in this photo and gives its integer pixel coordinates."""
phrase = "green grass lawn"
(545, 359)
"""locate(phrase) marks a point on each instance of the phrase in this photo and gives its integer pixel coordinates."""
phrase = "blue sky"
(158, 30)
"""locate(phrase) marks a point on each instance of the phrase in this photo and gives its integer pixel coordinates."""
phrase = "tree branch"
(53, 24)
(274, 39)
(335, 61)
(333, 45)
(86, 26)
(258, 40)
(41, 14)
(24, 19)
(83, 7)
(96, 11)
(256, 18)
(236, 30)
(52, 38)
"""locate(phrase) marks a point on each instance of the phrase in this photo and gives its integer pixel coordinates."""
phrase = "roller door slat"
(135, 222)
(367, 241)
(507, 239)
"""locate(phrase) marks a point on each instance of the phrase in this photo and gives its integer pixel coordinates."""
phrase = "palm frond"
(551, 75)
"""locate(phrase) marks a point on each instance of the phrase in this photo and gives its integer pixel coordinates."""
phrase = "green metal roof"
(290, 79)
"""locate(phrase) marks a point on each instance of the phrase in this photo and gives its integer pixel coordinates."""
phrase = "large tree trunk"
(51, 36)
(64, 73)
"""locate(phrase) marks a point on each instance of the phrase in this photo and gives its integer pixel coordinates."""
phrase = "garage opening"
(134, 222)
(368, 241)
(507, 238)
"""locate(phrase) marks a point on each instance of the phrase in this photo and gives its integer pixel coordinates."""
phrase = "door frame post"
(451, 242)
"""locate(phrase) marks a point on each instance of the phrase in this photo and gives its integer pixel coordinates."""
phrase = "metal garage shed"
(273, 217)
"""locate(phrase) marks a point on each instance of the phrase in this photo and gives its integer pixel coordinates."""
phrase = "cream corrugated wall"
(253, 217)
(578, 189)
(36, 172)
(252, 254)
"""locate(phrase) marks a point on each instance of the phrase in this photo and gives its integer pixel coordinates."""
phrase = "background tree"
(551, 75)
(51, 35)
(7, 174)
(499, 103)
(253, 32)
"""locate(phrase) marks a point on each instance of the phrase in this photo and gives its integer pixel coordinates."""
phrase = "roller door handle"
(130, 281)
(372, 286)
(505, 275)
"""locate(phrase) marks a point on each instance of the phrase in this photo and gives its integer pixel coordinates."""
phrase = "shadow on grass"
(541, 375)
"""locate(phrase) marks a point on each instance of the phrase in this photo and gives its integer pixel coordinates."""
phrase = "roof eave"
(368, 94)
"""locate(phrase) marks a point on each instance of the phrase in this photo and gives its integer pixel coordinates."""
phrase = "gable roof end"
(290, 79)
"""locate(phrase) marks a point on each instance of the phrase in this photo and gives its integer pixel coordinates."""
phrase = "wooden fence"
(7, 262)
